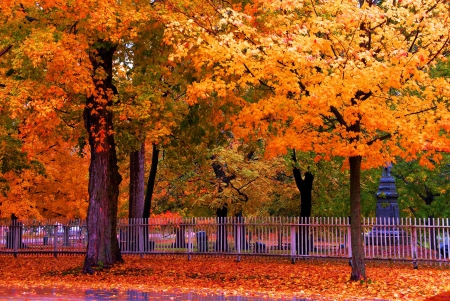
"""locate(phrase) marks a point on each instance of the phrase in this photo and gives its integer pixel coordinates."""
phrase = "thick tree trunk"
(151, 182)
(104, 178)
(358, 263)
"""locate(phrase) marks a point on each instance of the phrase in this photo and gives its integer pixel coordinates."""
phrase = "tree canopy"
(333, 77)
(358, 82)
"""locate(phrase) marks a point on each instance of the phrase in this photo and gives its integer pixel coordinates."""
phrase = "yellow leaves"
(324, 59)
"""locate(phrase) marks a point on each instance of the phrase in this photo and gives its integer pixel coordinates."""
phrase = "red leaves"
(440, 297)
(273, 278)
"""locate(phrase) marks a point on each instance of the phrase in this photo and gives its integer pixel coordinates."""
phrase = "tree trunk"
(242, 232)
(136, 200)
(151, 182)
(305, 188)
(303, 240)
(358, 263)
(132, 238)
(104, 178)
(180, 237)
(150, 245)
(14, 234)
(222, 235)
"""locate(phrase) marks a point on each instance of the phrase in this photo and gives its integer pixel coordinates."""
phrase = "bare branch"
(419, 112)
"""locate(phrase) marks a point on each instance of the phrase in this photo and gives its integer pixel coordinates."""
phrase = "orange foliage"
(269, 277)
(167, 215)
(57, 188)
(328, 76)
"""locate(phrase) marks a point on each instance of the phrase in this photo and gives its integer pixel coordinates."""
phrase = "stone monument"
(387, 207)
(386, 230)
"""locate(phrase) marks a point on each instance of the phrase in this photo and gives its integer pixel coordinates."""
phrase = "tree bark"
(358, 263)
(136, 199)
(131, 237)
(180, 237)
(14, 234)
(305, 188)
(149, 245)
(221, 213)
(222, 235)
(303, 242)
(151, 182)
(242, 232)
(104, 178)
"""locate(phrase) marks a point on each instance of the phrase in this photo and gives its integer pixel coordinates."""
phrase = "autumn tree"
(342, 80)
(34, 164)
(63, 56)
(140, 108)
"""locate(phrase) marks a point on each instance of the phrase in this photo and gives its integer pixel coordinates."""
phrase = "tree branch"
(440, 50)
(418, 112)
(387, 136)
(414, 41)
(5, 50)
(338, 115)
(260, 81)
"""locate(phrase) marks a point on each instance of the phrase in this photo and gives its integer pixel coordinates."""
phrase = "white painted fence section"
(400, 239)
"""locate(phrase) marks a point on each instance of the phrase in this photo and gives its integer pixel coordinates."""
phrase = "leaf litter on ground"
(273, 278)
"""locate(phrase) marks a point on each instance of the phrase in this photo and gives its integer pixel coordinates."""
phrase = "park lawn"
(317, 279)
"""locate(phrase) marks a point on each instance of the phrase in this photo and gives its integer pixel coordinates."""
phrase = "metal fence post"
(141, 236)
(189, 248)
(414, 246)
(16, 237)
(293, 244)
(349, 240)
(55, 241)
(238, 238)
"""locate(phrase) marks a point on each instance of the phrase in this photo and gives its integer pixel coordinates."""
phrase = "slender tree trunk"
(104, 178)
(131, 238)
(358, 263)
(150, 245)
(14, 234)
(151, 182)
(305, 187)
(221, 213)
(303, 241)
(242, 232)
(136, 200)
(222, 235)
(180, 237)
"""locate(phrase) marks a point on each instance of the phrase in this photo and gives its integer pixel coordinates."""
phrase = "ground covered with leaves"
(323, 280)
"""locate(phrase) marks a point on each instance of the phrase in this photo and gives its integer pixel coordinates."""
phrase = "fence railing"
(400, 239)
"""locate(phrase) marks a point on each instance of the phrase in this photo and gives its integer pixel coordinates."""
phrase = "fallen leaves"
(223, 275)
